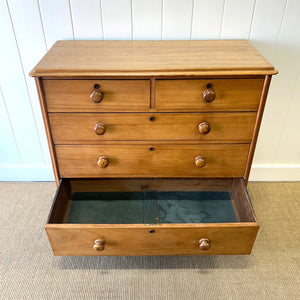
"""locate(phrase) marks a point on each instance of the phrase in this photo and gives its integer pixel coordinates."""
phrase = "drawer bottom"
(151, 217)
(150, 207)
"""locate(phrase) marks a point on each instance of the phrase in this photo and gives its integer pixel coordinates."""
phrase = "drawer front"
(230, 94)
(77, 95)
(183, 240)
(146, 160)
(92, 128)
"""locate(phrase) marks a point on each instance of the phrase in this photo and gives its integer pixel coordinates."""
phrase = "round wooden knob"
(209, 95)
(204, 127)
(204, 244)
(103, 161)
(200, 161)
(97, 95)
(99, 245)
(100, 128)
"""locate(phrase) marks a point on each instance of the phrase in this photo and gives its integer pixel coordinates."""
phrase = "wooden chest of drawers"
(151, 143)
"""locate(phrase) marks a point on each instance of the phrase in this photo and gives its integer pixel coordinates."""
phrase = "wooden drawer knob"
(103, 161)
(208, 94)
(97, 95)
(200, 161)
(100, 128)
(204, 127)
(99, 245)
(204, 244)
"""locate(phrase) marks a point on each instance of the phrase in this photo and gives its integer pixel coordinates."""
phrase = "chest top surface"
(154, 58)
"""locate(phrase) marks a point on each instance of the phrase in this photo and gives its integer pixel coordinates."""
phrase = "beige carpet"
(30, 271)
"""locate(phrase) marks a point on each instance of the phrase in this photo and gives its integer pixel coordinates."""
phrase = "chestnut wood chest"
(151, 144)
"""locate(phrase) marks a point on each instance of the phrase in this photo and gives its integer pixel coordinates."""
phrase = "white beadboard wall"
(28, 28)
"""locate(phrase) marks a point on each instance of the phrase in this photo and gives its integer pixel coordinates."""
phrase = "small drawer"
(208, 94)
(151, 217)
(148, 160)
(71, 128)
(96, 95)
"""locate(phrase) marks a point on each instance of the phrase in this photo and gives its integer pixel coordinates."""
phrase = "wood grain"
(150, 184)
(182, 239)
(60, 204)
(79, 128)
(228, 238)
(148, 135)
(261, 108)
(241, 201)
(47, 129)
(74, 95)
(103, 58)
(187, 95)
(136, 160)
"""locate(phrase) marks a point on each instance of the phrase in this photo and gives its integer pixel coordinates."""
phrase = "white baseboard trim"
(259, 172)
(275, 172)
(26, 173)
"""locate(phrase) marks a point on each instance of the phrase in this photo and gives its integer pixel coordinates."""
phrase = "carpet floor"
(30, 271)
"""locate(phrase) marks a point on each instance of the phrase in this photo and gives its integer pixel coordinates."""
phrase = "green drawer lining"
(150, 207)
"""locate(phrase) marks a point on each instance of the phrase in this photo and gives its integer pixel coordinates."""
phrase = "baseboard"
(26, 173)
(275, 172)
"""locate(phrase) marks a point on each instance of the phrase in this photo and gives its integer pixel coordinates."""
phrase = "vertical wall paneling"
(146, 17)
(266, 26)
(264, 36)
(8, 147)
(56, 18)
(289, 63)
(286, 57)
(237, 19)
(177, 19)
(29, 34)
(116, 19)
(207, 19)
(289, 145)
(277, 36)
(28, 28)
(87, 20)
(15, 93)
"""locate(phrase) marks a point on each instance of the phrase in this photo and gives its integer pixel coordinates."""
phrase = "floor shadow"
(156, 262)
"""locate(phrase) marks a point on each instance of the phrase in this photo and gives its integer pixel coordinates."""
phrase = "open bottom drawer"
(151, 217)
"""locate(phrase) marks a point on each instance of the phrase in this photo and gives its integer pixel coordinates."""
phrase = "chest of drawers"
(151, 145)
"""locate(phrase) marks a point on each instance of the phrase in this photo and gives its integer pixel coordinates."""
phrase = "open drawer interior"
(150, 207)
(151, 201)
(138, 216)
